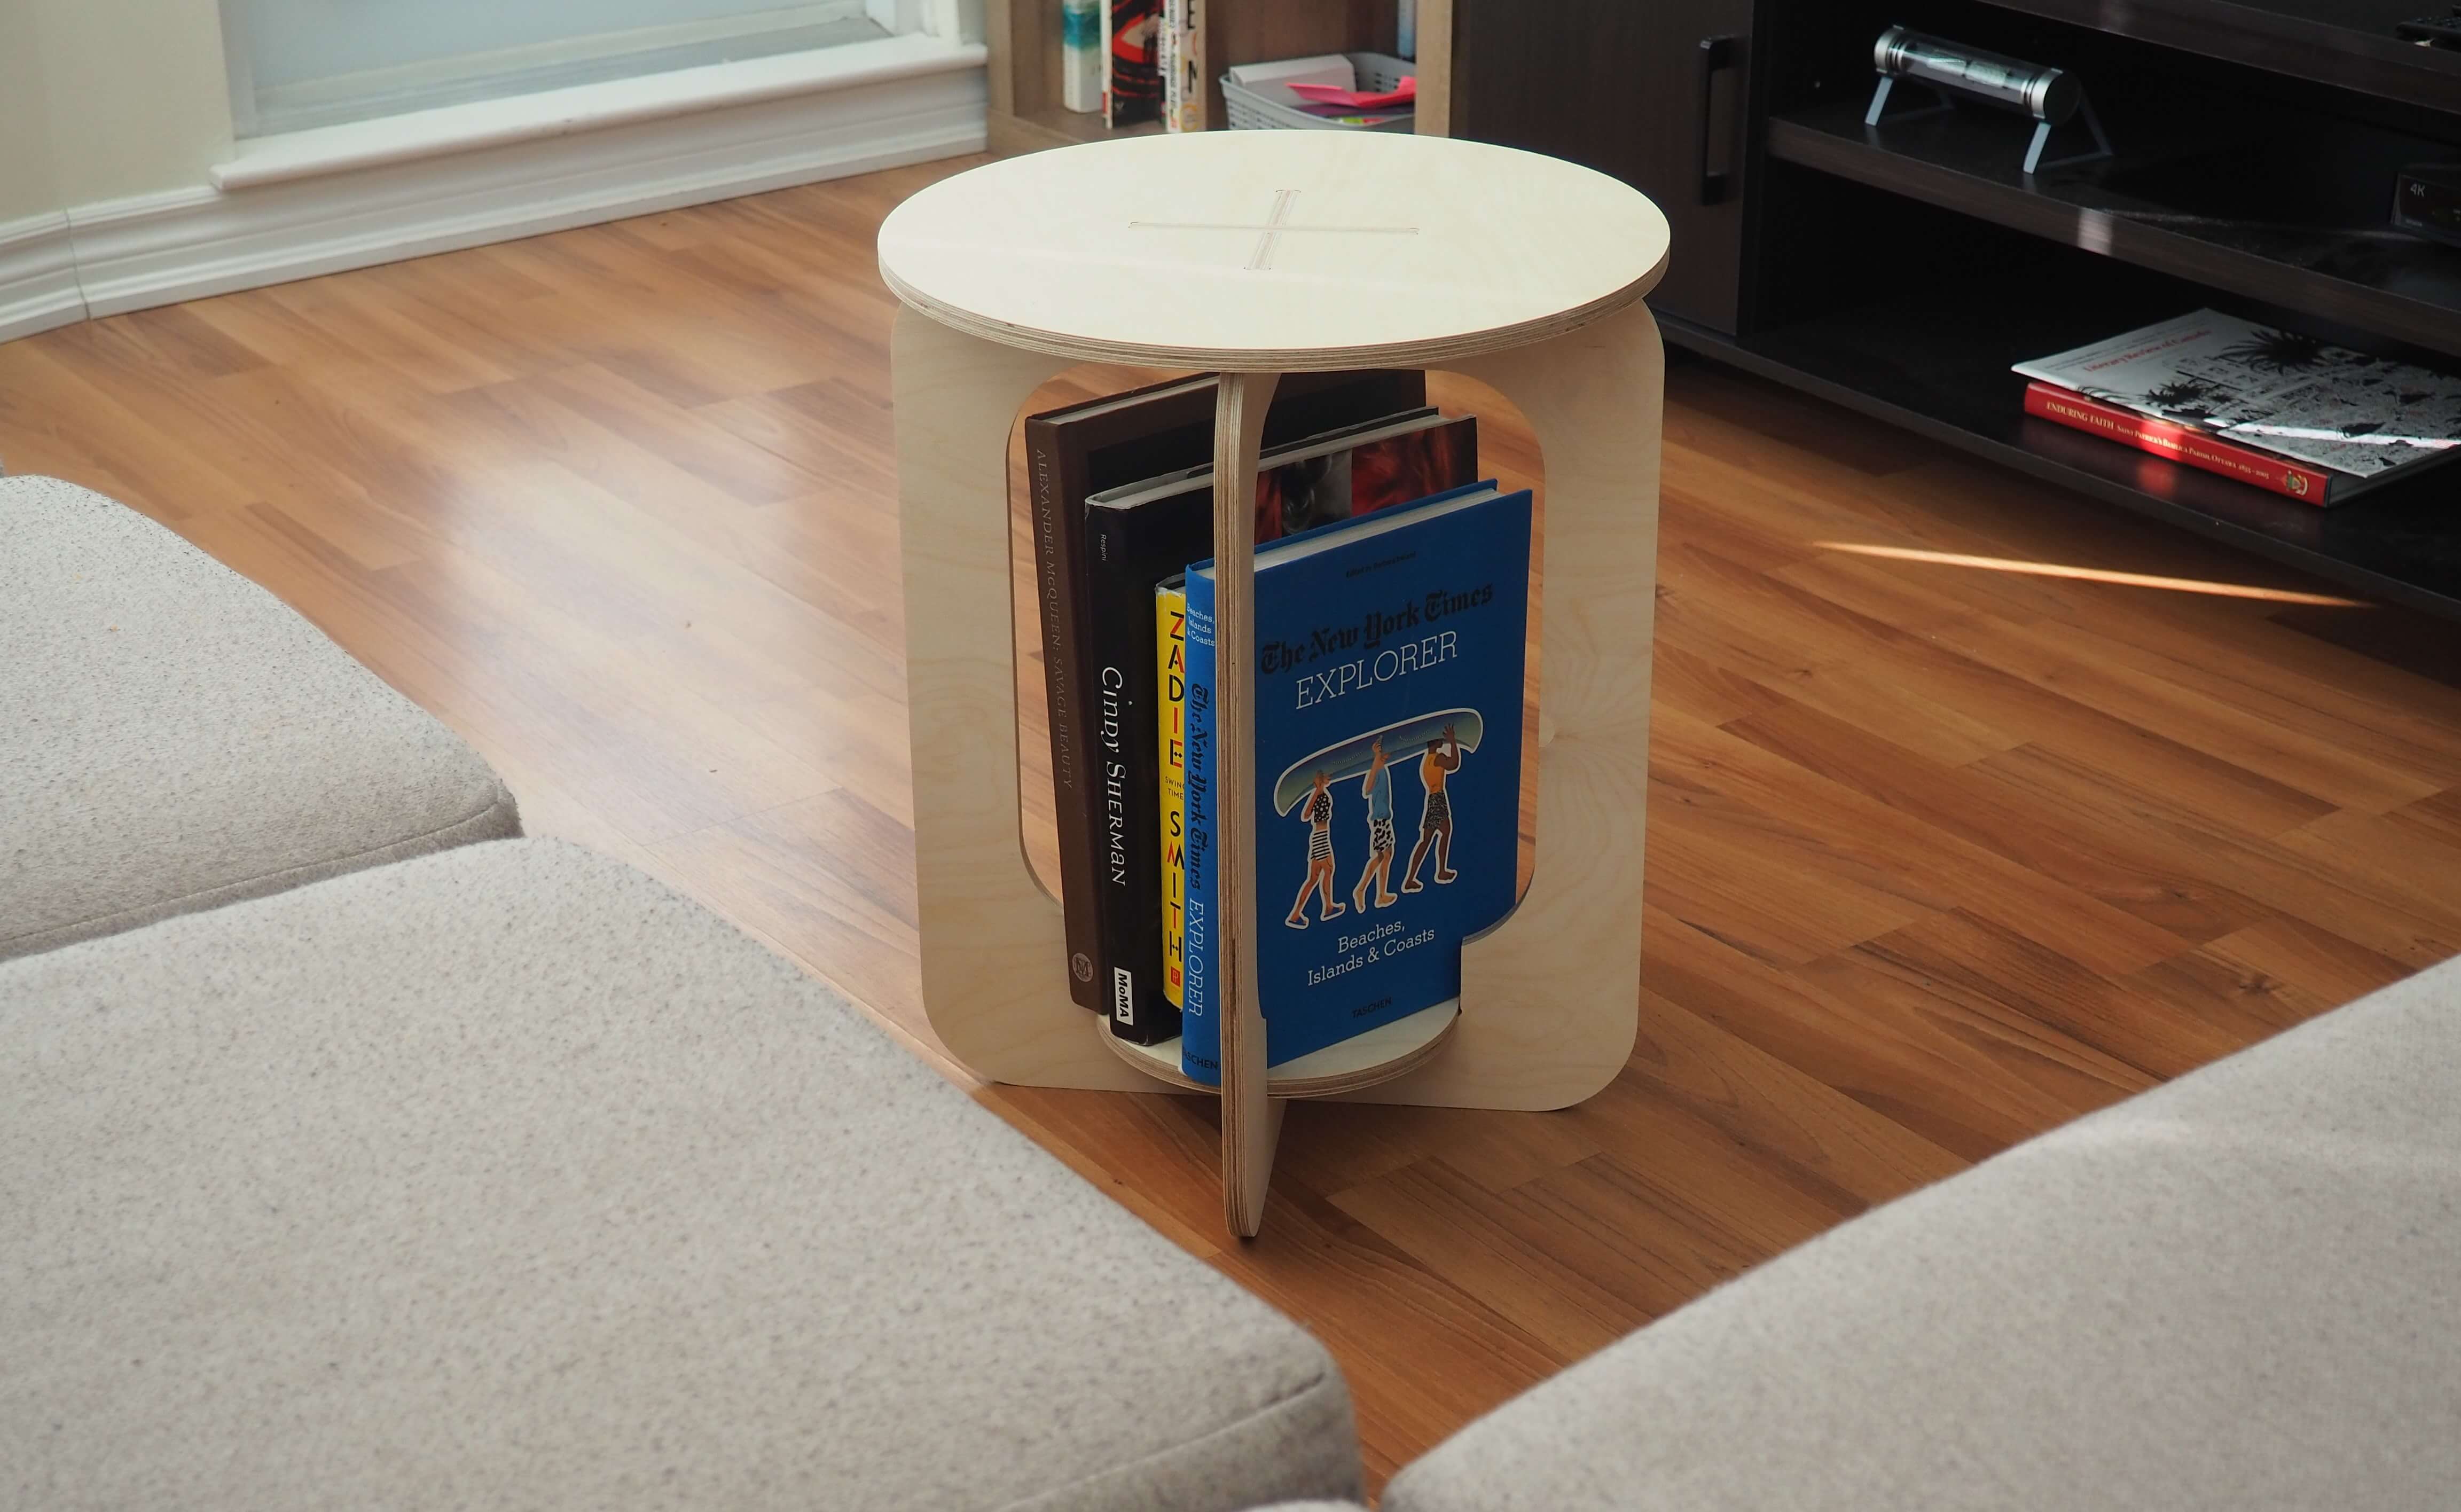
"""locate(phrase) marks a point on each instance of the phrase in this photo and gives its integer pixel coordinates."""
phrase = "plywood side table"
(1254, 254)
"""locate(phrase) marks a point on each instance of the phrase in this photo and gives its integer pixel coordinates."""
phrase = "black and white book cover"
(2278, 390)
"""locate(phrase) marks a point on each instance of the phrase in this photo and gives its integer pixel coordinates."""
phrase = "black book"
(1138, 537)
(1083, 450)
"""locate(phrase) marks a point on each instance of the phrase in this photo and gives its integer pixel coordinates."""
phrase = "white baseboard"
(39, 279)
(187, 244)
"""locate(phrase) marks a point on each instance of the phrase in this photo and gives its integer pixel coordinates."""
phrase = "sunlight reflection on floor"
(2057, 569)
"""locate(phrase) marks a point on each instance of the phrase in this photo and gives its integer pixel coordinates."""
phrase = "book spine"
(1200, 1024)
(1170, 733)
(1167, 42)
(1110, 66)
(1193, 85)
(1056, 532)
(1132, 87)
(1127, 770)
(1080, 55)
(2180, 443)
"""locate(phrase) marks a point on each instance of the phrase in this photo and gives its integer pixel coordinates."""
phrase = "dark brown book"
(1108, 443)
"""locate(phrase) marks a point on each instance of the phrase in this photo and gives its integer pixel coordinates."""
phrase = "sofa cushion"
(173, 738)
(506, 1177)
(2240, 1292)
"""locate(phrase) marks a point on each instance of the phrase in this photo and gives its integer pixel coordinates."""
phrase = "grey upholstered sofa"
(2239, 1292)
(501, 1177)
(506, 1177)
(173, 738)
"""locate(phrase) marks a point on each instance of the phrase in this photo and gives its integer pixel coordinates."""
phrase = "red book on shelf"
(2185, 443)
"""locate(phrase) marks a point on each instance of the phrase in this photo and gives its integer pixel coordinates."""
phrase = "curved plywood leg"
(992, 943)
(1551, 996)
(1250, 1119)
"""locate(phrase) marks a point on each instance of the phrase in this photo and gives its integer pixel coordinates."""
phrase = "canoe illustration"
(1403, 743)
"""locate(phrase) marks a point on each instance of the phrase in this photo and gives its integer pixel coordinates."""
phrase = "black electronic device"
(2427, 201)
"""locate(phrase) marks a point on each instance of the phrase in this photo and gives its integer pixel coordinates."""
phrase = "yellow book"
(1171, 658)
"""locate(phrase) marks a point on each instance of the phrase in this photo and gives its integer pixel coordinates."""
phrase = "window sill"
(588, 107)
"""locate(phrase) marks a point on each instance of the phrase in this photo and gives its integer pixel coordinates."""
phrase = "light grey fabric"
(2238, 1292)
(173, 738)
(507, 1179)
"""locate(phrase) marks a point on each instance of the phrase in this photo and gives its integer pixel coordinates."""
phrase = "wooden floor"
(1965, 820)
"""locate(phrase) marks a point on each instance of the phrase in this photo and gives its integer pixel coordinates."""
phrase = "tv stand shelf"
(2348, 44)
(1901, 269)
(1937, 363)
(2371, 277)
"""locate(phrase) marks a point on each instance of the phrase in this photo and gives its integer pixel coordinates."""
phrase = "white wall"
(117, 111)
(139, 100)
(39, 287)
(26, 185)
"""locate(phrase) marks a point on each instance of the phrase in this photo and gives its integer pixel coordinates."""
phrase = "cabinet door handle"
(1717, 54)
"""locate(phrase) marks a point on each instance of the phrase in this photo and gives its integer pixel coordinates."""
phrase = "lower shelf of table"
(1378, 1055)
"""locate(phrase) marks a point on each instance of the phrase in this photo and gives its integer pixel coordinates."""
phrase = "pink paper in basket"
(1403, 94)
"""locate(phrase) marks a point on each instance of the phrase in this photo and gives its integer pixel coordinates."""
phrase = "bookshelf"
(1024, 38)
(1552, 318)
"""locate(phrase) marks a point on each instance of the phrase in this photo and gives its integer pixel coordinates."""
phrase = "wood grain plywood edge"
(1447, 290)
(1441, 351)
(992, 941)
(1251, 1118)
(1551, 996)
(1381, 1059)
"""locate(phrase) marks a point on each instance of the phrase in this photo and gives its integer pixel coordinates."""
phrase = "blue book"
(1390, 653)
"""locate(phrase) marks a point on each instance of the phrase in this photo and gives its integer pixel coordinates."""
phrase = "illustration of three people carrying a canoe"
(1440, 760)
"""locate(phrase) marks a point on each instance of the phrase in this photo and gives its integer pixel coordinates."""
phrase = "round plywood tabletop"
(1273, 250)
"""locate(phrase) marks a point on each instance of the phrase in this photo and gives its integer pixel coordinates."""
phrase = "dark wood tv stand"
(1899, 270)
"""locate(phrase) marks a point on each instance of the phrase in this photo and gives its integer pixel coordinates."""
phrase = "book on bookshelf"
(1389, 666)
(2348, 420)
(1137, 537)
(1083, 449)
(2188, 444)
(1182, 64)
(1131, 78)
(1167, 41)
